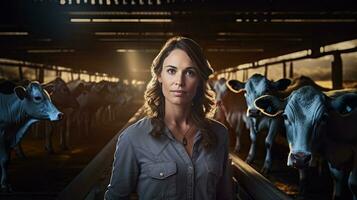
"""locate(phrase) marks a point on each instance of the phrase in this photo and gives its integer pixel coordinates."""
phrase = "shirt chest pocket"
(161, 179)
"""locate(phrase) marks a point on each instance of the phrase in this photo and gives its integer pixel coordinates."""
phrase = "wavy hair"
(203, 101)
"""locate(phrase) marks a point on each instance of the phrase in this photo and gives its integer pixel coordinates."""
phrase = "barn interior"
(117, 40)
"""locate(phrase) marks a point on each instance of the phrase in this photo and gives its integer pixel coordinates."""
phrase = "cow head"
(258, 85)
(37, 103)
(60, 94)
(306, 113)
(220, 89)
(115, 94)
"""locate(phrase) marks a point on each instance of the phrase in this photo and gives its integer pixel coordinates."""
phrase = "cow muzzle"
(300, 160)
(60, 116)
(56, 116)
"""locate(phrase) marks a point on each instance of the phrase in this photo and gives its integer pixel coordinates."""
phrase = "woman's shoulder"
(217, 126)
(220, 130)
(138, 129)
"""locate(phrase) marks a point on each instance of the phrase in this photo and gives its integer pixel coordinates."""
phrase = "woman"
(175, 152)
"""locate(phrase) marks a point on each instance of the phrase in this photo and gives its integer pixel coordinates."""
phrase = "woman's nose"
(179, 80)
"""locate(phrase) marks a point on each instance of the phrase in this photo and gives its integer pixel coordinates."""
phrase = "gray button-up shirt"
(160, 168)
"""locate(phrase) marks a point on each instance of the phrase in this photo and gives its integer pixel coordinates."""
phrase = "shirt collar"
(168, 133)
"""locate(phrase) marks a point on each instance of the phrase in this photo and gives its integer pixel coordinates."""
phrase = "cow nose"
(253, 113)
(300, 160)
(60, 116)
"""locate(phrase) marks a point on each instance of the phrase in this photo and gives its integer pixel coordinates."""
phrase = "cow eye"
(324, 117)
(38, 98)
(285, 117)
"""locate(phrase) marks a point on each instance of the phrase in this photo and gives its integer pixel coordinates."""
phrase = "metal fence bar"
(253, 183)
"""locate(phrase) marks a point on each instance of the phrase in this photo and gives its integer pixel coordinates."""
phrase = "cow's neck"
(17, 111)
(12, 110)
(20, 133)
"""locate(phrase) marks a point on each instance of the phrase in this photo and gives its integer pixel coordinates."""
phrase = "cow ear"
(344, 104)
(80, 87)
(282, 84)
(49, 88)
(20, 92)
(78, 90)
(235, 85)
(270, 105)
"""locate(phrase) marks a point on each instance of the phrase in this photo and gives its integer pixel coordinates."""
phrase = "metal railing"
(84, 182)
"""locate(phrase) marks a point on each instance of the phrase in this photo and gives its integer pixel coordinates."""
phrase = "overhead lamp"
(50, 51)
(104, 20)
(9, 33)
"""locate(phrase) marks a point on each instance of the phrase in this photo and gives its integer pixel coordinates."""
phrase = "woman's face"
(179, 78)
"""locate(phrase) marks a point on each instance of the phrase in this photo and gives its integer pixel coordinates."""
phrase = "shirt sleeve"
(125, 170)
(224, 187)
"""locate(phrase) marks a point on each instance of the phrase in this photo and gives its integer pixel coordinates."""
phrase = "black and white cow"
(317, 124)
(256, 86)
(19, 110)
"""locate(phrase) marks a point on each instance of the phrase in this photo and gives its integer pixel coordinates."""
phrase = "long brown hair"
(203, 100)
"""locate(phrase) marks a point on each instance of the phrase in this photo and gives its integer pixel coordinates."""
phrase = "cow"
(231, 109)
(256, 86)
(113, 97)
(19, 110)
(92, 98)
(63, 99)
(318, 124)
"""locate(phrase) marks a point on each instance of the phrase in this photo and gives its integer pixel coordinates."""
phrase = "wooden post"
(284, 70)
(36, 73)
(291, 70)
(336, 71)
(21, 75)
(57, 72)
(266, 71)
(41, 75)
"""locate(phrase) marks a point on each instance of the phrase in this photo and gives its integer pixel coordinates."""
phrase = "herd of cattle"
(75, 104)
(318, 123)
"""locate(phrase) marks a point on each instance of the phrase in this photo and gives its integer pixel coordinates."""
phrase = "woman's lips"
(178, 93)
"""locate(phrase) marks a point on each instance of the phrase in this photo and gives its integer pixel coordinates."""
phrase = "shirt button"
(161, 174)
(190, 168)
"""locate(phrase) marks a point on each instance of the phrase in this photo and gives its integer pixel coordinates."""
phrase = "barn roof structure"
(123, 36)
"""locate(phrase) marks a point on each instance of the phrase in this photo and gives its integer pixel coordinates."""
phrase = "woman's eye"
(171, 71)
(191, 73)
